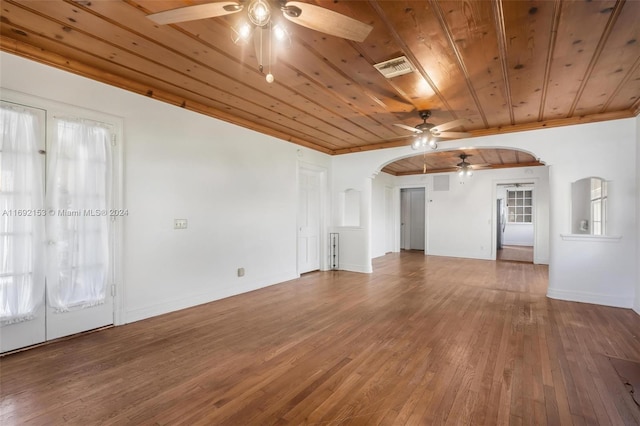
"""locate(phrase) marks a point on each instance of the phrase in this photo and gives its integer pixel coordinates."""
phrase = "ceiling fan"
(431, 133)
(465, 168)
(259, 12)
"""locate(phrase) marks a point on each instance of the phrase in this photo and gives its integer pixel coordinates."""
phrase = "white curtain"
(21, 215)
(78, 191)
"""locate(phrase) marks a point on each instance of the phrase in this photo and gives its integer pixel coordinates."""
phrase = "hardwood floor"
(421, 341)
(515, 253)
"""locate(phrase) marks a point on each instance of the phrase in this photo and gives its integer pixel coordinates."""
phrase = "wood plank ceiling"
(503, 65)
(447, 161)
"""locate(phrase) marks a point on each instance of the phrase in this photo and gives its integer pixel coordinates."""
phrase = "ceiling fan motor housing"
(425, 114)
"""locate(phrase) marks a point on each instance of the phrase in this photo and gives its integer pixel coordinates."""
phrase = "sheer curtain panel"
(21, 215)
(78, 190)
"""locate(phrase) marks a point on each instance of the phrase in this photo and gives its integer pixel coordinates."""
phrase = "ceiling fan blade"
(450, 135)
(409, 128)
(326, 21)
(450, 125)
(199, 11)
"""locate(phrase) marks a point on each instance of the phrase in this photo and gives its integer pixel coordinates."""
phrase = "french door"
(56, 228)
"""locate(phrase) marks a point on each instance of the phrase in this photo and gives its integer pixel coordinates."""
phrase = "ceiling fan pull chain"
(261, 61)
(271, 58)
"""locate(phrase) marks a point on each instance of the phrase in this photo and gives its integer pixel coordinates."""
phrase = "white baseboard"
(354, 267)
(201, 298)
(595, 298)
(469, 255)
(518, 243)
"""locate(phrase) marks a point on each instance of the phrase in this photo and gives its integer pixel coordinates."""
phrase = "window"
(520, 206)
(598, 206)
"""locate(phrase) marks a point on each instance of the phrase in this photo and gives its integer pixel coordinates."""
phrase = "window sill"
(587, 237)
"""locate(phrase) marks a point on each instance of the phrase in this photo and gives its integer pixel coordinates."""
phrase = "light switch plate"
(179, 223)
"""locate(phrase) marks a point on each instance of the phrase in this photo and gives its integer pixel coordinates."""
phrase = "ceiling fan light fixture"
(464, 168)
(241, 33)
(259, 12)
(423, 141)
(280, 33)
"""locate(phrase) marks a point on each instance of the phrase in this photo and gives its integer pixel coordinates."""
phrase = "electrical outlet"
(241, 272)
(179, 223)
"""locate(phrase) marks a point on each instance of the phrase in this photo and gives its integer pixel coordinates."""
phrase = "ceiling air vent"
(395, 67)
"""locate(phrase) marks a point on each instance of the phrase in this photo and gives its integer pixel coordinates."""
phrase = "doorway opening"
(412, 219)
(515, 222)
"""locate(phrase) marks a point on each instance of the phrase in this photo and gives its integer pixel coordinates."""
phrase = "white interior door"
(309, 186)
(405, 220)
(388, 220)
(70, 225)
(412, 212)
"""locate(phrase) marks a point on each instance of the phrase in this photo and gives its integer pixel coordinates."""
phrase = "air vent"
(441, 182)
(395, 67)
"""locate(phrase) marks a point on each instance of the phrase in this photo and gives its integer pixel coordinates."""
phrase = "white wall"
(587, 269)
(355, 241)
(595, 270)
(461, 221)
(237, 189)
(518, 234)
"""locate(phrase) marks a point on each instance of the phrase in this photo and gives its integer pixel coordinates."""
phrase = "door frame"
(323, 239)
(398, 215)
(54, 108)
(389, 220)
(534, 182)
